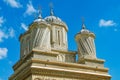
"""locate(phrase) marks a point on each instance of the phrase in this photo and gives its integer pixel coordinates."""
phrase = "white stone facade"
(44, 54)
(86, 45)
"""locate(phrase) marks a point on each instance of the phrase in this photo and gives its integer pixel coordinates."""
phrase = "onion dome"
(84, 30)
(54, 19)
(39, 19)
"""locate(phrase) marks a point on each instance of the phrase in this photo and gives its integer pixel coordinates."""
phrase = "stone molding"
(28, 68)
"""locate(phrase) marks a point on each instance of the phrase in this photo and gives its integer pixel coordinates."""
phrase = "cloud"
(24, 26)
(11, 32)
(106, 23)
(6, 34)
(3, 35)
(30, 9)
(1, 20)
(13, 3)
(3, 52)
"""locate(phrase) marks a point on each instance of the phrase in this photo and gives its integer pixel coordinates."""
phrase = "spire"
(83, 25)
(51, 9)
(39, 13)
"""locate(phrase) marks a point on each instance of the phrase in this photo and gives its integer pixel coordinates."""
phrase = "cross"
(83, 20)
(51, 9)
(39, 12)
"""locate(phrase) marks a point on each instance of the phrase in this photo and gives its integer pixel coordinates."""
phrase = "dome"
(84, 31)
(39, 20)
(53, 19)
(56, 20)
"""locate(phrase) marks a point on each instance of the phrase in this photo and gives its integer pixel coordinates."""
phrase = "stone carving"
(86, 46)
(49, 59)
(58, 38)
(25, 45)
(61, 58)
(41, 38)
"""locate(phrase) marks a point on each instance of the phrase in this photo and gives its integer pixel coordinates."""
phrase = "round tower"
(86, 46)
(37, 37)
(58, 32)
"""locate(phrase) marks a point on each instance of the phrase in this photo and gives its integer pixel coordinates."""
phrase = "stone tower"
(58, 32)
(86, 48)
(44, 53)
(85, 42)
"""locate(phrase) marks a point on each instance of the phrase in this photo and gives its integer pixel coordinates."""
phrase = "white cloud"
(3, 35)
(1, 20)
(106, 23)
(11, 32)
(24, 26)
(13, 3)
(3, 52)
(6, 34)
(30, 9)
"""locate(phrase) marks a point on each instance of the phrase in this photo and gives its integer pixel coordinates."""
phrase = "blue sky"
(101, 17)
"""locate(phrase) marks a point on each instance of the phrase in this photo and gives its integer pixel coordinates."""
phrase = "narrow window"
(59, 37)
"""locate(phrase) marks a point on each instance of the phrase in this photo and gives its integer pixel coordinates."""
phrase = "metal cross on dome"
(83, 25)
(51, 9)
(39, 12)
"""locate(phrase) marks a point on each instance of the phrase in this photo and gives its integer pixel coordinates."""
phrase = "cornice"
(65, 52)
(66, 71)
(71, 65)
(48, 71)
(45, 52)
